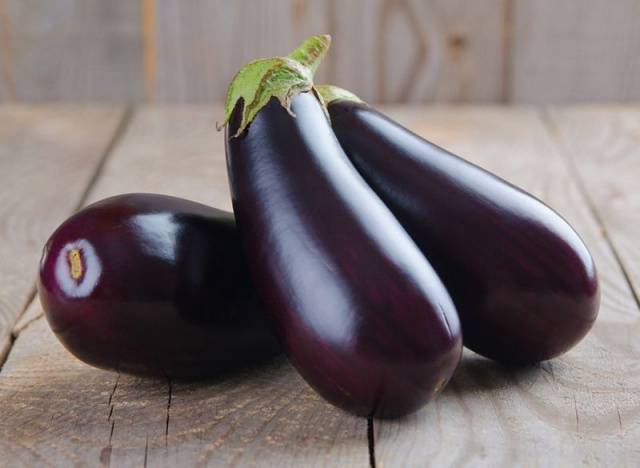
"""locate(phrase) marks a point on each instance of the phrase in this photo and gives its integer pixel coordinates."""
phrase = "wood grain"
(47, 158)
(582, 408)
(69, 413)
(438, 50)
(572, 51)
(202, 44)
(7, 80)
(386, 50)
(603, 147)
(150, 54)
(579, 408)
(171, 150)
(75, 50)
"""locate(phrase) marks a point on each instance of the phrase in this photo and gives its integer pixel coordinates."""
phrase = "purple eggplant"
(523, 282)
(357, 308)
(153, 285)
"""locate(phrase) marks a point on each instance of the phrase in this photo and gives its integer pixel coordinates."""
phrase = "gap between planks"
(559, 141)
(567, 159)
(549, 126)
(117, 136)
(371, 440)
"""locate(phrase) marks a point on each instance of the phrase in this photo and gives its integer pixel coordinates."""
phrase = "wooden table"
(582, 408)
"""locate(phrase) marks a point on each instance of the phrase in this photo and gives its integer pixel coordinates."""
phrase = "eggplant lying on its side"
(522, 280)
(358, 309)
(153, 285)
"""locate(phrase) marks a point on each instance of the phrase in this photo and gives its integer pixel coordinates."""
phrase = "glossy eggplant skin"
(153, 285)
(523, 282)
(358, 309)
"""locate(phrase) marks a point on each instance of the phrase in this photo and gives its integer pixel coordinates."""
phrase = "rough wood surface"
(386, 50)
(7, 80)
(68, 413)
(438, 50)
(71, 50)
(573, 51)
(171, 150)
(579, 408)
(602, 146)
(47, 157)
(199, 49)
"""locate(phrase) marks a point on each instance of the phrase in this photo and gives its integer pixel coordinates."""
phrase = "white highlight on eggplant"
(92, 269)
(158, 232)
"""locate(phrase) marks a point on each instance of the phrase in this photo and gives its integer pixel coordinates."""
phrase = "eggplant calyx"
(330, 93)
(280, 77)
(311, 52)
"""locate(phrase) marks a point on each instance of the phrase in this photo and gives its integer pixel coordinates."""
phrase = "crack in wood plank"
(6, 349)
(575, 408)
(13, 335)
(166, 428)
(113, 426)
(619, 418)
(109, 403)
(146, 452)
(371, 442)
(25, 323)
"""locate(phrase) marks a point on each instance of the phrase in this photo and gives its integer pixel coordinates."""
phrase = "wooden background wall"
(520, 51)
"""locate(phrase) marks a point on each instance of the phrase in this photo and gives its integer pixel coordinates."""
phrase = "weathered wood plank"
(47, 158)
(172, 150)
(579, 408)
(71, 413)
(53, 404)
(74, 50)
(385, 50)
(603, 147)
(417, 51)
(572, 51)
(201, 45)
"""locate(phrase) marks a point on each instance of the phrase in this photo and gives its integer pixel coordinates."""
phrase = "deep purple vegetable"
(522, 280)
(358, 309)
(153, 285)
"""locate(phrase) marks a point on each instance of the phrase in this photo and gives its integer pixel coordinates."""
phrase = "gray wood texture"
(518, 51)
(578, 409)
(264, 416)
(575, 51)
(47, 158)
(602, 145)
(71, 50)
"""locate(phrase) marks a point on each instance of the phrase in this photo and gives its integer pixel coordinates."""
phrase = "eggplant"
(523, 281)
(153, 285)
(357, 308)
